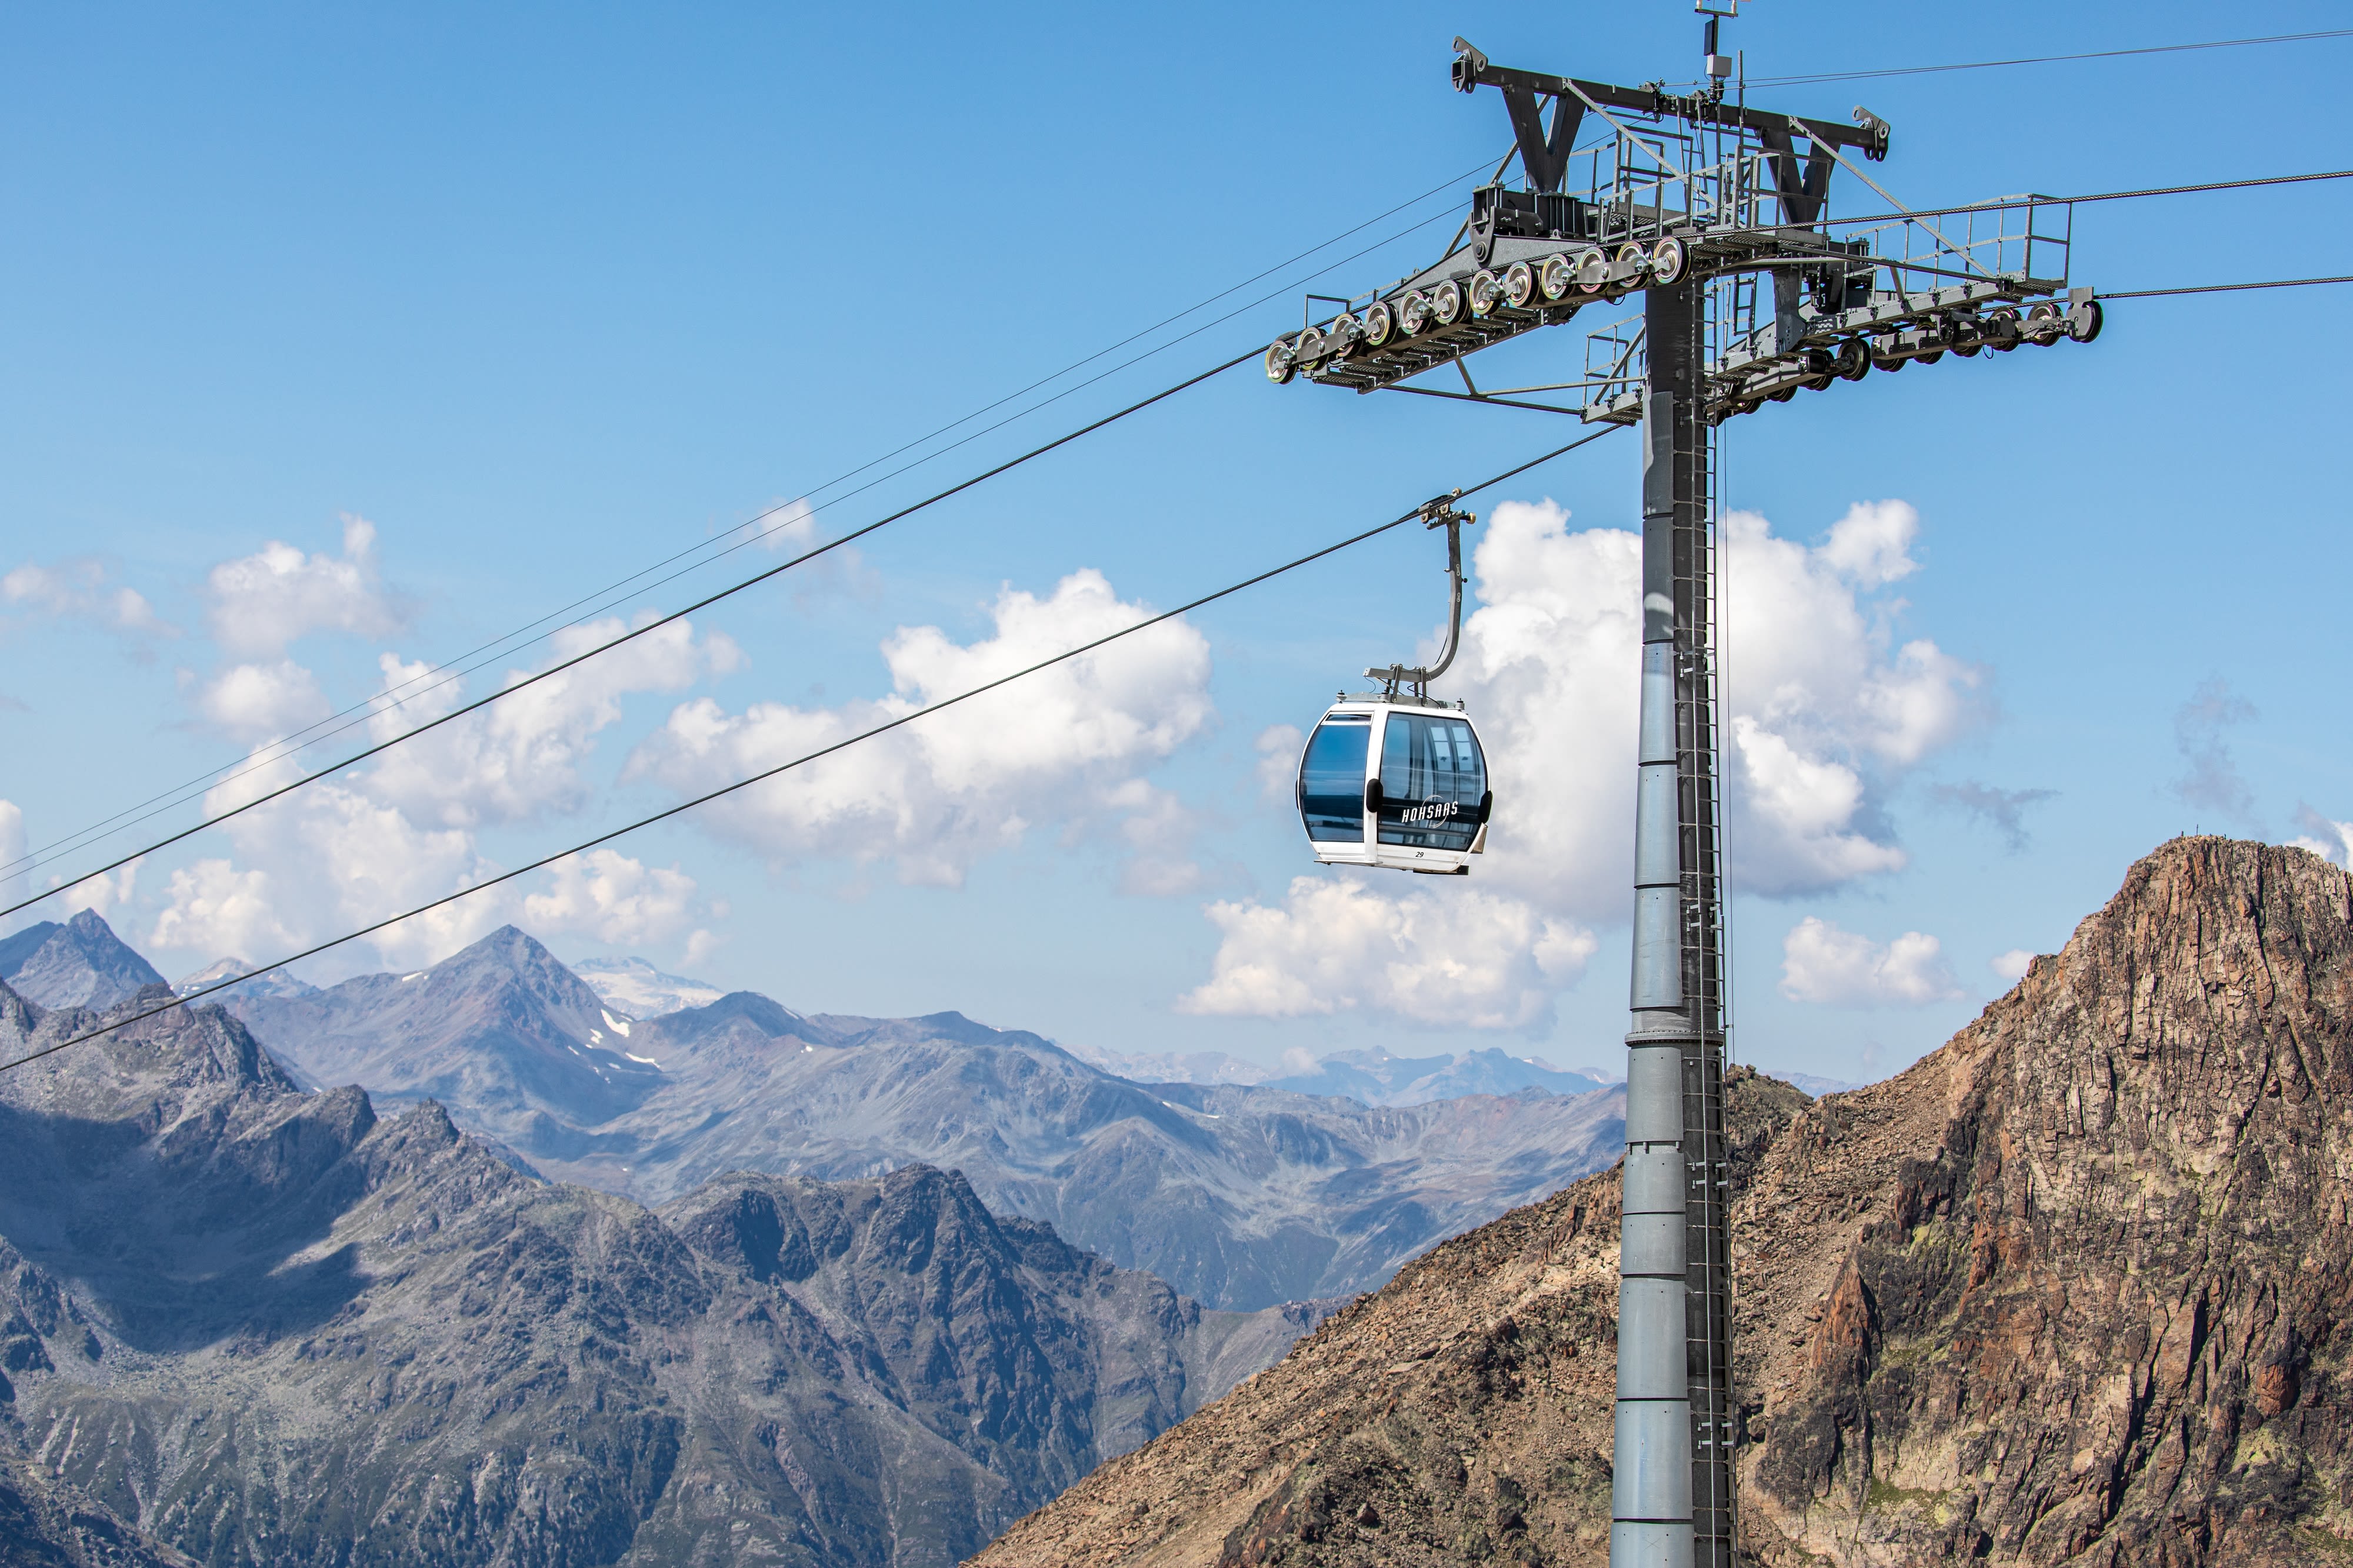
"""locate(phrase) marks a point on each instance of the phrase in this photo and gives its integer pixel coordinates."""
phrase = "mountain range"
(1241, 1196)
(268, 1326)
(634, 988)
(2075, 1288)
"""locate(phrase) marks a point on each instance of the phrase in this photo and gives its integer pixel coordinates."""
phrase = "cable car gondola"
(1397, 778)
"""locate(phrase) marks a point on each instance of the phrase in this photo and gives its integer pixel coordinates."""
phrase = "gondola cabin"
(1396, 781)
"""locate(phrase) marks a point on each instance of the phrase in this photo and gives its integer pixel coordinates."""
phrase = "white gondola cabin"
(1395, 780)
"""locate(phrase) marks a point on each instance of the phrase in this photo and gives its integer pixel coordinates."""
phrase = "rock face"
(81, 963)
(501, 1032)
(269, 1328)
(46, 1524)
(1242, 1198)
(2072, 1290)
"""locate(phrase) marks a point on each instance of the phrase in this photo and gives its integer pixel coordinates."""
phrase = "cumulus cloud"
(79, 587)
(2329, 840)
(214, 908)
(350, 850)
(263, 701)
(1820, 963)
(521, 757)
(1460, 959)
(1060, 751)
(98, 894)
(2201, 727)
(1827, 709)
(260, 602)
(607, 895)
(1278, 749)
(2013, 965)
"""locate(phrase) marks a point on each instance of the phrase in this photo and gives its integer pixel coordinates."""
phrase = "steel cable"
(802, 761)
(457, 668)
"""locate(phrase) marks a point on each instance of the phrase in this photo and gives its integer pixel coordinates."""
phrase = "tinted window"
(1331, 782)
(1432, 779)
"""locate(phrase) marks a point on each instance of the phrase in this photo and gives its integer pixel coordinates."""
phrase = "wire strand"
(802, 761)
(449, 670)
(2221, 287)
(2048, 60)
(2007, 204)
(636, 632)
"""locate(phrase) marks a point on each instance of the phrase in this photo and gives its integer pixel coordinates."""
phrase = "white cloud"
(2013, 965)
(521, 757)
(1453, 957)
(14, 881)
(1820, 963)
(263, 701)
(788, 530)
(325, 860)
(1158, 831)
(2325, 836)
(264, 601)
(100, 893)
(77, 588)
(1871, 544)
(936, 795)
(1825, 711)
(1278, 761)
(1809, 805)
(211, 907)
(607, 895)
(350, 850)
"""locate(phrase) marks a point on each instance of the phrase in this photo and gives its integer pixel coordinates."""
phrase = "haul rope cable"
(507, 690)
(178, 794)
(2226, 287)
(703, 602)
(822, 752)
(2006, 204)
(494, 697)
(2047, 59)
(356, 714)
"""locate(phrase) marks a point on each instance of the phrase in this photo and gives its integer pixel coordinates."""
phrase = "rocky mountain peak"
(2076, 1287)
(81, 963)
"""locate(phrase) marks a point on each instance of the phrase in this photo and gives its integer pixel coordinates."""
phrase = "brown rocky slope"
(2072, 1290)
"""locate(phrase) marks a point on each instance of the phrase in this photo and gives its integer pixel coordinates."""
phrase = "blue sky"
(545, 295)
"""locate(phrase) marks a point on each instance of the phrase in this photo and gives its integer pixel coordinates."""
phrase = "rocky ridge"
(269, 1327)
(2072, 1290)
(1243, 1197)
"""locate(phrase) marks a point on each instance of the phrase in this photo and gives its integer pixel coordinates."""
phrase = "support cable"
(2012, 204)
(2221, 287)
(2048, 60)
(450, 670)
(636, 632)
(822, 752)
